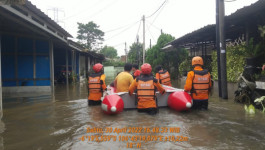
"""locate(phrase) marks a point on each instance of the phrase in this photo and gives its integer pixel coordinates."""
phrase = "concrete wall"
(26, 89)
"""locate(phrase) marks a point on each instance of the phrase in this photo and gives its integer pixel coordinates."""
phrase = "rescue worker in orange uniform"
(146, 86)
(163, 76)
(96, 85)
(136, 71)
(198, 83)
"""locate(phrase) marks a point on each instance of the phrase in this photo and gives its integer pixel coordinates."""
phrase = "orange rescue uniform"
(146, 86)
(96, 86)
(164, 77)
(199, 85)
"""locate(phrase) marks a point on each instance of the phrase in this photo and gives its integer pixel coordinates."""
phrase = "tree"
(89, 35)
(135, 53)
(109, 52)
(169, 60)
(155, 56)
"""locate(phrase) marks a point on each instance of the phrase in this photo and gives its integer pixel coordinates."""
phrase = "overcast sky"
(120, 19)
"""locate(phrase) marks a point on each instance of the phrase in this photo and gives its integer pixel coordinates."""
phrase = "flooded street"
(60, 121)
(50, 50)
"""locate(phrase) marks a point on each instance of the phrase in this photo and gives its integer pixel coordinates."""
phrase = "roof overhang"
(236, 25)
(30, 19)
(168, 48)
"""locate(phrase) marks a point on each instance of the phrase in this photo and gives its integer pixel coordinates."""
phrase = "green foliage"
(169, 60)
(155, 56)
(185, 66)
(235, 57)
(253, 50)
(135, 50)
(89, 35)
(114, 63)
(109, 52)
(250, 109)
(263, 72)
(262, 31)
(73, 77)
(214, 72)
(261, 100)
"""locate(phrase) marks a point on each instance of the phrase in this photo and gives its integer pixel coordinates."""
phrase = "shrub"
(235, 57)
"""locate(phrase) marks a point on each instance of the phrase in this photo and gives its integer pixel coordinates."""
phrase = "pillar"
(51, 65)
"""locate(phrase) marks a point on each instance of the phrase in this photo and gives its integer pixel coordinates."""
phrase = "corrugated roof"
(77, 45)
(234, 25)
(196, 36)
(91, 53)
(96, 55)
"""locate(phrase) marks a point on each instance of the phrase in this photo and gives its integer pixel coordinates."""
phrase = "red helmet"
(146, 68)
(97, 67)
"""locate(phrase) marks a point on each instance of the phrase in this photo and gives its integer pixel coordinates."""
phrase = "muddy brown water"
(60, 121)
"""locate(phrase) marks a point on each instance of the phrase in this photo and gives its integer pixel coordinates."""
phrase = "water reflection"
(42, 121)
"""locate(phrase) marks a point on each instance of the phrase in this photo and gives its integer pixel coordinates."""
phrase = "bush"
(185, 66)
(235, 57)
(114, 63)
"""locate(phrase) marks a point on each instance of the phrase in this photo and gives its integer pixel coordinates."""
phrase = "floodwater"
(45, 122)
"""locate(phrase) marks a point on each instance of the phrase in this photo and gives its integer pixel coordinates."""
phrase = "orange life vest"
(164, 78)
(94, 83)
(201, 82)
(145, 88)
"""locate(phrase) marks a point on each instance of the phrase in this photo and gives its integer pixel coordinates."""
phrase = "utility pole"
(138, 51)
(143, 38)
(150, 44)
(126, 53)
(221, 49)
(218, 49)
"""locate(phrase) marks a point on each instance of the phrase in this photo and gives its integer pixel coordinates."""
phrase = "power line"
(122, 31)
(96, 13)
(157, 16)
(150, 33)
(105, 8)
(139, 27)
(157, 9)
(138, 31)
(153, 26)
(230, 0)
(87, 9)
(154, 21)
(56, 11)
(118, 44)
(121, 27)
